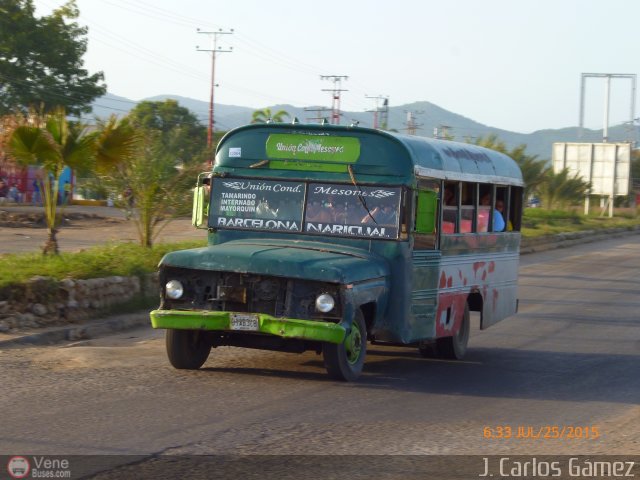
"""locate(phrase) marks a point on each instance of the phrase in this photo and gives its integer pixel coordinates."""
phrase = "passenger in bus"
(483, 216)
(340, 214)
(319, 212)
(449, 196)
(354, 213)
(383, 215)
(500, 208)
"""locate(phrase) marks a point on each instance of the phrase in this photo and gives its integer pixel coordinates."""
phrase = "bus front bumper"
(221, 321)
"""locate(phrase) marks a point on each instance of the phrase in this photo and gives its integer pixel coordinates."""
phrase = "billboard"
(607, 166)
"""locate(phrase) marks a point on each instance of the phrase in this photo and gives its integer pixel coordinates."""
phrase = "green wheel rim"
(353, 344)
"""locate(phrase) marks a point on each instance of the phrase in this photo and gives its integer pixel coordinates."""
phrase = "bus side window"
(426, 211)
(467, 210)
(484, 208)
(502, 206)
(450, 207)
(515, 208)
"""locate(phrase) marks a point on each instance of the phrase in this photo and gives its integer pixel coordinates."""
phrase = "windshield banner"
(313, 147)
(256, 205)
(350, 211)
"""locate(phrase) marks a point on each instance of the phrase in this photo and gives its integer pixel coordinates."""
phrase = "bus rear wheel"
(345, 361)
(455, 347)
(187, 349)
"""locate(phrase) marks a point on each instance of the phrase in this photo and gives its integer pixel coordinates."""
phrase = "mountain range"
(427, 117)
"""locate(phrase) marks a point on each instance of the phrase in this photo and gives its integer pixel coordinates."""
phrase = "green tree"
(53, 143)
(153, 187)
(41, 60)
(558, 190)
(180, 134)
(265, 115)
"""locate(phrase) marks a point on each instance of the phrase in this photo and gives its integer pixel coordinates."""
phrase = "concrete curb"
(140, 319)
(80, 332)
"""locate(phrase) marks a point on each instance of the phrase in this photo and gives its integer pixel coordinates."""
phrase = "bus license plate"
(244, 321)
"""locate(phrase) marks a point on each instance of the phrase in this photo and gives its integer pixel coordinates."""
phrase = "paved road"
(569, 358)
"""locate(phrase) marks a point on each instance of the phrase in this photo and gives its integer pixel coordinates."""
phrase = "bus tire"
(187, 349)
(455, 347)
(345, 361)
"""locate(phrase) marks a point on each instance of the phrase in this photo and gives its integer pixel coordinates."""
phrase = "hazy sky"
(512, 64)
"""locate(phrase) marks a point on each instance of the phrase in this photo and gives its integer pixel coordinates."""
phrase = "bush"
(537, 222)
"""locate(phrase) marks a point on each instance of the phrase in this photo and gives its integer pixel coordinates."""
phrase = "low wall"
(45, 302)
(563, 240)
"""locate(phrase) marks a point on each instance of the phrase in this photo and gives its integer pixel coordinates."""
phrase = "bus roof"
(460, 161)
(370, 152)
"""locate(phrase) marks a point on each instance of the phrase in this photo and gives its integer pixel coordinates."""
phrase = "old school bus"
(328, 237)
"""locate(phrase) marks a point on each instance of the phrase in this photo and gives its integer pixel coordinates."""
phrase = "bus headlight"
(325, 303)
(174, 289)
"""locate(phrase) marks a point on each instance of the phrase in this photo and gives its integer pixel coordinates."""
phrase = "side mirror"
(426, 211)
(201, 194)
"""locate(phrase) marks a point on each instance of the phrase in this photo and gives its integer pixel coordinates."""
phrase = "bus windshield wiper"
(261, 163)
(361, 196)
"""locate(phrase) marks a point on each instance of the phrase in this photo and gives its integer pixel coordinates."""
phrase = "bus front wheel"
(187, 349)
(455, 347)
(345, 361)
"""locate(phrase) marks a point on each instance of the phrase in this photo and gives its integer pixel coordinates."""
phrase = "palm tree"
(53, 143)
(558, 189)
(157, 188)
(492, 142)
(533, 169)
(265, 115)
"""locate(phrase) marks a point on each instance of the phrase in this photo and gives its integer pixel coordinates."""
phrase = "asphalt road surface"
(569, 359)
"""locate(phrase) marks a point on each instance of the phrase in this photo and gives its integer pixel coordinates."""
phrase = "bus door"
(425, 261)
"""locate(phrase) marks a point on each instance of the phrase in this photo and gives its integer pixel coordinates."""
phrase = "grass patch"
(537, 222)
(124, 259)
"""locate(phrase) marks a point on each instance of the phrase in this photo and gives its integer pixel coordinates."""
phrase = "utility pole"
(379, 110)
(320, 114)
(335, 95)
(214, 50)
(411, 123)
(441, 132)
(384, 117)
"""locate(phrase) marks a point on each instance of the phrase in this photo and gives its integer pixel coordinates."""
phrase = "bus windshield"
(314, 208)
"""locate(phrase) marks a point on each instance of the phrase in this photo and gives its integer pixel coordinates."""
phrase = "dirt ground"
(20, 232)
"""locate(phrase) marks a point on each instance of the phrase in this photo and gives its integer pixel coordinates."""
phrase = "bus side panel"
(393, 324)
(424, 295)
(483, 264)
